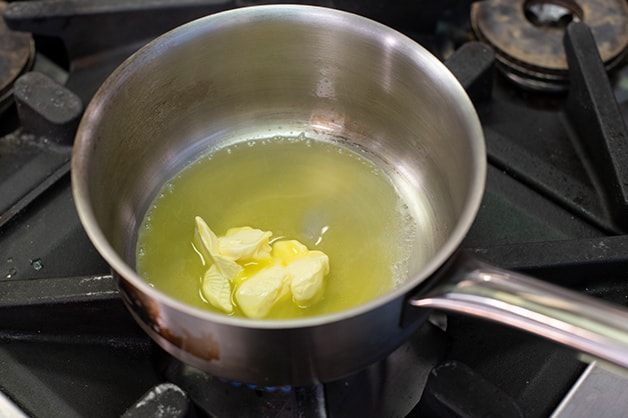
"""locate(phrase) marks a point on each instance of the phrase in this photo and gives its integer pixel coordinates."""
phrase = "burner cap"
(527, 35)
(17, 52)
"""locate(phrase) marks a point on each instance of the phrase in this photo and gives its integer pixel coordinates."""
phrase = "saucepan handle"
(582, 322)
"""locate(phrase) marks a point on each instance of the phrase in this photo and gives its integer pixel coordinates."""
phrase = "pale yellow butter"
(216, 288)
(258, 274)
(245, 243)
(306, 277)
(288, 250)
(208, 244)
(257, 295)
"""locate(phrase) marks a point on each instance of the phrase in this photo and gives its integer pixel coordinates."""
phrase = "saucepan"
(266, 70)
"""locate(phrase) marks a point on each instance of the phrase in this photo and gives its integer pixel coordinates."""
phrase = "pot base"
(386, 388)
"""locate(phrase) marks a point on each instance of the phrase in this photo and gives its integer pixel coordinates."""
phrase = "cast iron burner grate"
(554, 207)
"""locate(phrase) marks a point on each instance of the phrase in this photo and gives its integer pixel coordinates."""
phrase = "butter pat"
(208, 245)
(245, 244)
(289, 250)
(216, 288)
(257, 295)
(306, 277)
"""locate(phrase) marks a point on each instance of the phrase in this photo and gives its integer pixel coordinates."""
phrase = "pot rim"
(94, 111)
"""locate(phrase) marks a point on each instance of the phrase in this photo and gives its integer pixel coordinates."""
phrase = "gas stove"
(549, 79)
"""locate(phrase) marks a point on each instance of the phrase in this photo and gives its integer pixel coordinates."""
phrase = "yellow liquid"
(326, 196)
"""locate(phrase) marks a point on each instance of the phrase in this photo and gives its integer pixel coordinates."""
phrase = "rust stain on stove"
(17, 53)
(536, 48)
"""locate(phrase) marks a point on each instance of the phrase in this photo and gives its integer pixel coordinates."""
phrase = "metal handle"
(582, 322)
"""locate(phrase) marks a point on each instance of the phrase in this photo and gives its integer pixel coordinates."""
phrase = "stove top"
(554, 207)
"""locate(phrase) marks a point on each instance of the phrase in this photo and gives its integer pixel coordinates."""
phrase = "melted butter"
(327, 197)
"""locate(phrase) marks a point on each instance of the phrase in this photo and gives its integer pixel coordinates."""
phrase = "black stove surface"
(69, 348)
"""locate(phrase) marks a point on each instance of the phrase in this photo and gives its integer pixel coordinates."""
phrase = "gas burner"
(527, 36)
(390, 387)
(17, 53)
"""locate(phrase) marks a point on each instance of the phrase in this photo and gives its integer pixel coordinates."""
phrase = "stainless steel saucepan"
(267, 70)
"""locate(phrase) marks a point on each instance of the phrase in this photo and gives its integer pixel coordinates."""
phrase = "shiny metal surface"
(598, 393)
(578, 321)
(258, 72)
(281, 70)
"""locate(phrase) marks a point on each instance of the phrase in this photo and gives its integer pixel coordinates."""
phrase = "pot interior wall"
(215, 81)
